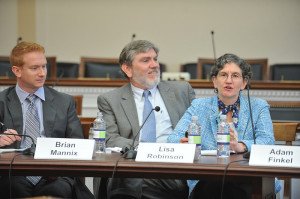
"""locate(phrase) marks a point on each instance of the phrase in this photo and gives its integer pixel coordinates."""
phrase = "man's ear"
(127, 70)
(16, 70)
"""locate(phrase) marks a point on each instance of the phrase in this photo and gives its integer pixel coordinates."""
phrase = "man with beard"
(123, 112)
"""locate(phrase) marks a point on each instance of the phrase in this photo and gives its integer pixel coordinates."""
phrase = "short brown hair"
(18, 52)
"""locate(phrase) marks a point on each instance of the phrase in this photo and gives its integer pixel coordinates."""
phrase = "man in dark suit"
(54, 116)
(123, 112)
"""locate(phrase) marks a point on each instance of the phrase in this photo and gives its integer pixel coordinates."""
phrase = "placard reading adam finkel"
(275, 155)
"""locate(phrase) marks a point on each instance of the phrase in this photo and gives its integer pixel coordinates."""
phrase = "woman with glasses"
(230, 75)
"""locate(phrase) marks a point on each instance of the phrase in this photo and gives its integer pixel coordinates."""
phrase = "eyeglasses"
(224, 76)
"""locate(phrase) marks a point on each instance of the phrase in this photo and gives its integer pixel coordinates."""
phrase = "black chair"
(190, 68)
(285, 110)
(281, 72)
(99, 68)
(5, 68)
(67, 70)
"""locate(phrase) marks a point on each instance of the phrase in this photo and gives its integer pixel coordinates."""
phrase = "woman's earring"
(216, 90)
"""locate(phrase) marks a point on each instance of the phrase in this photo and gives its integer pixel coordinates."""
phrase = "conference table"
(102, 165)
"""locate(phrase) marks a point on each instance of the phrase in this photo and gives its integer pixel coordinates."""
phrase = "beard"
(145, 81)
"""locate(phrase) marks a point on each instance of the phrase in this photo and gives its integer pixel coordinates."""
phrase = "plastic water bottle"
(195, 136)
(223, 137)
(99, 133)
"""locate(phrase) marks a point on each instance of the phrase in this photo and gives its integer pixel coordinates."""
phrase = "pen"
(5, 127)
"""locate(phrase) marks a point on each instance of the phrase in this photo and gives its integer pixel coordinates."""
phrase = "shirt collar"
(138, 92)
(23, 94)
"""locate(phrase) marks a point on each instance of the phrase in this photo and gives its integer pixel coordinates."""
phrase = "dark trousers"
(21, 187)
(212, 190)
(137, 188)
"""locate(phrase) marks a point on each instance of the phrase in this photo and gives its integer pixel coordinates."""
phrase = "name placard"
(275, 155)
(64, 149)
(166, 152)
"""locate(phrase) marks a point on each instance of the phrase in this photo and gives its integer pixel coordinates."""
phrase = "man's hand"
(9, 139)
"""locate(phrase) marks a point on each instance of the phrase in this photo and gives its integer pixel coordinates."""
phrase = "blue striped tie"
(32, 128)
(149, 128)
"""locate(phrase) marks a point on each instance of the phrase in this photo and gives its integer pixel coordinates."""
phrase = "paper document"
(11, 150)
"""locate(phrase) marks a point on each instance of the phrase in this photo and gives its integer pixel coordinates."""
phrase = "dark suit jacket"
(119, 110)
(59, 114)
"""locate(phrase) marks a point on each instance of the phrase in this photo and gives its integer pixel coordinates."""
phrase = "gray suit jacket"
(119, 110)
(59, 114)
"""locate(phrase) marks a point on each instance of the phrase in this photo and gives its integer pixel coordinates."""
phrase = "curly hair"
(231, 58)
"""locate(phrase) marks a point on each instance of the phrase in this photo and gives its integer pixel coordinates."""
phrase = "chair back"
(78, 103)
(69, 70)
(285, 110)
(190, 68)
(5, 68)
(285, 131)
(282, 72)
(86, 123)
(99, 68)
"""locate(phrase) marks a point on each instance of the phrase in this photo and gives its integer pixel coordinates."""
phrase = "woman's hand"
(184, 140)
(9, 139)
(234, 144)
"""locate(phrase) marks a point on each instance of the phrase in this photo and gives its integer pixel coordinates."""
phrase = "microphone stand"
(131, 152)
(247, 154)
(58, 79)
(213, 44)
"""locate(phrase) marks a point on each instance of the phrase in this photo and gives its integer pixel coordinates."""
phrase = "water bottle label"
(99, 134)
(194, 139)
(223, 139)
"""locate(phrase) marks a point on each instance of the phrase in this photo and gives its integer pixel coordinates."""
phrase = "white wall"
(8, 26)
(181, 29)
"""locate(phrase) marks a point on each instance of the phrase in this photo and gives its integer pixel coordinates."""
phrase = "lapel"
(169, 99)
(49, 112)
(15, 110)
(214, 112)
(128, 105)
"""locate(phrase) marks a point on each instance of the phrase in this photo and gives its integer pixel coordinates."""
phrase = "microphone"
(247, 154)
(58, 79)
(132, 37)
(19, 39)
(28, 151)
(213, 44)
(131, 153)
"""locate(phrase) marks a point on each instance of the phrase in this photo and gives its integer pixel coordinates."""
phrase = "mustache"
(153, 70)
